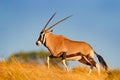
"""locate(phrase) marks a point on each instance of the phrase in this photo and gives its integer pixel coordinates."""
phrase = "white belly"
(74, 58)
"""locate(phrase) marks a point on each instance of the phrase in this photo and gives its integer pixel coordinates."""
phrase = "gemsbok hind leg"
(86, 61)
(94, 64)
(90, 61)
(90, 57)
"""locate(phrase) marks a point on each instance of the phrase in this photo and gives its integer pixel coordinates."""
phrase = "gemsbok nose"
(38, 43)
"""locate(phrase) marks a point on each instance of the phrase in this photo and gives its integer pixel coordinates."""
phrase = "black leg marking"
(51, 56)
(88, 61)
(63, 55)
(73, 55)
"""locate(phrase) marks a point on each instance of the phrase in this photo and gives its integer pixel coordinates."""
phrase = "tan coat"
(57, 44)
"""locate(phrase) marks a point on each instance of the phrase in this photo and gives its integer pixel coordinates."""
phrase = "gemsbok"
(62, 47)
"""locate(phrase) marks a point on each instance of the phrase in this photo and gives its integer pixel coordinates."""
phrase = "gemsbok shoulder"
(67, 49)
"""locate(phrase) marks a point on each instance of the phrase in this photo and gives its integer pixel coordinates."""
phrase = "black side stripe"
(73, 55)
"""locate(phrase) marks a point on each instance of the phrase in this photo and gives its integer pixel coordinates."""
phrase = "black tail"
(102, 61)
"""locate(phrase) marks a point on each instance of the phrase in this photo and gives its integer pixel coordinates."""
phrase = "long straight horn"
(49, 21)
(58, 22)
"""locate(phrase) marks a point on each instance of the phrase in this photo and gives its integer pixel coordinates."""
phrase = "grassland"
(15, 70)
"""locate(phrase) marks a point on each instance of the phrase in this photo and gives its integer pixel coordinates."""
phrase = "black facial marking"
(41, 32)
(41, 37)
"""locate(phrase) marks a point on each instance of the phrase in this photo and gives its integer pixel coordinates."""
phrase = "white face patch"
(38, 43)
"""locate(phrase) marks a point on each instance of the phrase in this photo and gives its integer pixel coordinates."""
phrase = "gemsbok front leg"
(48, 60)
(64, 60)
(64, 63)
(61, 55)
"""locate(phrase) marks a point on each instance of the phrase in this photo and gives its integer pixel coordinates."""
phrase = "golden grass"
(16, 70)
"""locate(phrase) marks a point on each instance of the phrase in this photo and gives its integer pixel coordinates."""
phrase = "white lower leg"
(98, 68)
(91, 67)
(64, 63)
(86, 59)
(90, 71)
(89, 63)
(48, 60)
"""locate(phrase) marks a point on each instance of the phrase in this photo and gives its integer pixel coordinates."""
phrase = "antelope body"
(60, 46)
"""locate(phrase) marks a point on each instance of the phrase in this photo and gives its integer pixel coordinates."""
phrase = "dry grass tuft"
(15, 70)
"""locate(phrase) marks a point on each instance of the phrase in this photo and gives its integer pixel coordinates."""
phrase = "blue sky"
(94, 21)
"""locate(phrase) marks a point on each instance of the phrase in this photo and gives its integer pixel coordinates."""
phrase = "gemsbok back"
(62, 47)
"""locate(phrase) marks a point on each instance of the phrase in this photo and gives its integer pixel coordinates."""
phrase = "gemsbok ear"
(51, 30)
